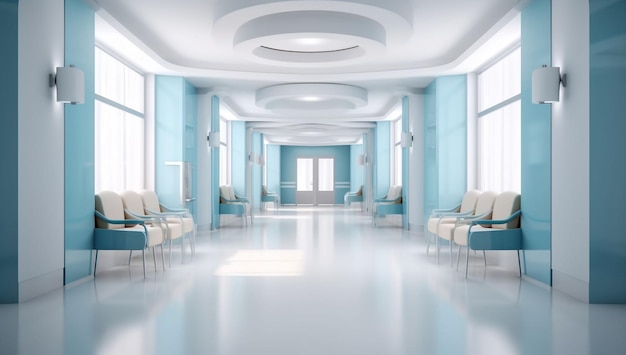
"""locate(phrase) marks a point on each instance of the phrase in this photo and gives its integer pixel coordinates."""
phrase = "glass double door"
(315, 183)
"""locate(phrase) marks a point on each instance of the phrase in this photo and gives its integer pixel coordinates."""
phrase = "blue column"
(536, 145)
(79, 144)
(9, 145)
(607, 171)
(215, 165)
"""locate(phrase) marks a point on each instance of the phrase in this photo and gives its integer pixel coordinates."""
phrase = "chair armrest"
(446, 210)
(173, 210)
(242, 199)
(146, 218)
(180, 213)
(382, 200)
(119, 221)
(496, 221)
(233, 201)
(454, 214)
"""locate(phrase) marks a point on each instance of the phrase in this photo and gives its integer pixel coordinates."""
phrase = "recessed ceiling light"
(310, 98)
(309, 41)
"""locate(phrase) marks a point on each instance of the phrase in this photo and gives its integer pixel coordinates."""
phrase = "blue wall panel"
(169, 132)
(238, 157)
(406, 186)
(356, 170)
(9, 145)
(536, 145)
(79, 144)
(445, 142)
(272, 168)
(191, 147)
(607, 121)
(382, 160)
(215, 165)
(257, 170)
(289, 154)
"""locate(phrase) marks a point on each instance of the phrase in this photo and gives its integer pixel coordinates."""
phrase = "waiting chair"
(354, 196)
(267, 197)
(448, 215)
(230, 203)
(114, 232)
(501, 232)
(390, 204)
(182, 216)
(484, 208)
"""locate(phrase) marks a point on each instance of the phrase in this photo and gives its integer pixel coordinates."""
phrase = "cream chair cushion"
(505, 205)
(467, 204)
(483, 205)
(110, 205)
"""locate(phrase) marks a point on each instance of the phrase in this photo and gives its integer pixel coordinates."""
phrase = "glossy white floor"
(310, 281)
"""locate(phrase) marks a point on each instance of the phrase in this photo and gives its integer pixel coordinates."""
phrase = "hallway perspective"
(308, 280)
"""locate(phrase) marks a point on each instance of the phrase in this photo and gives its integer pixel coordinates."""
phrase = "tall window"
(224, 152)
(499, 125)
(397, 152)
(119, 125)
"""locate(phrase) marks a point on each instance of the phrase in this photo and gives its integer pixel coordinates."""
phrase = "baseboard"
(570, 286)
(40, 285)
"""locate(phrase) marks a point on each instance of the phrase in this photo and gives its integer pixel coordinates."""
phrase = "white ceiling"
(309, 71)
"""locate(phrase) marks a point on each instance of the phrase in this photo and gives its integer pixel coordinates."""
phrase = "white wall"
(204, 162)
(570, 149)
(416, 162)
(41, 147)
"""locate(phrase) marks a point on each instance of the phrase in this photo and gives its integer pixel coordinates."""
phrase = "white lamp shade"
(406, 140)
(214, 139)
(70, 82)
(546, 82)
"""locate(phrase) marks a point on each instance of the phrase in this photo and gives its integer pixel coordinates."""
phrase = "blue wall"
(9, 145)
(190, 153)
(382, 159)
(175, 141)
(238, 157)
(445, 142)
(356, 170)
(607, 121)
(289, 154)
(536, 145)
(272, 168)
(215, 165)
(79, 144)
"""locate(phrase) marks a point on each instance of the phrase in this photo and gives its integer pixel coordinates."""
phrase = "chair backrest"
(150, 200)
(110, 205)
(227, 192)
(132, 203)
(394, 193)
(505, 205)
(469, 201)
(485, 204)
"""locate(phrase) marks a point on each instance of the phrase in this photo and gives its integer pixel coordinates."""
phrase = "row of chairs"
(138, 221)
(482, 221)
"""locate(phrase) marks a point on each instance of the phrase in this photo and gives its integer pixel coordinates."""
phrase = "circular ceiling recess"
(313, 33)
(314, 97)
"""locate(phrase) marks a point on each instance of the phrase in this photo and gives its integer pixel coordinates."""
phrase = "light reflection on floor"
(345, 288)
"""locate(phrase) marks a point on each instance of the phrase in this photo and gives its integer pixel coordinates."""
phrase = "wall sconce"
(406, 140)
(214, 139)
(70, 83)
(362, 159)
(546, 82)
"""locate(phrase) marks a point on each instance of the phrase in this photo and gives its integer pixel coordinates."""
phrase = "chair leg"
(428, 238)
(458, 257)
(170, 256)
(451, 253)
(95, 264)
(143, 255)
(162, 257)
(154, 259)
(182, 249)
(130, 256)
(485, 258)
(466, 262)
(519, 264)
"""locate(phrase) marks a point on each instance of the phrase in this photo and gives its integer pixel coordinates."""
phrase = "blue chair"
(267, 197)
(501, 232)
(230, 203)
(354, 196)
(114, 232)
(390, 204)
